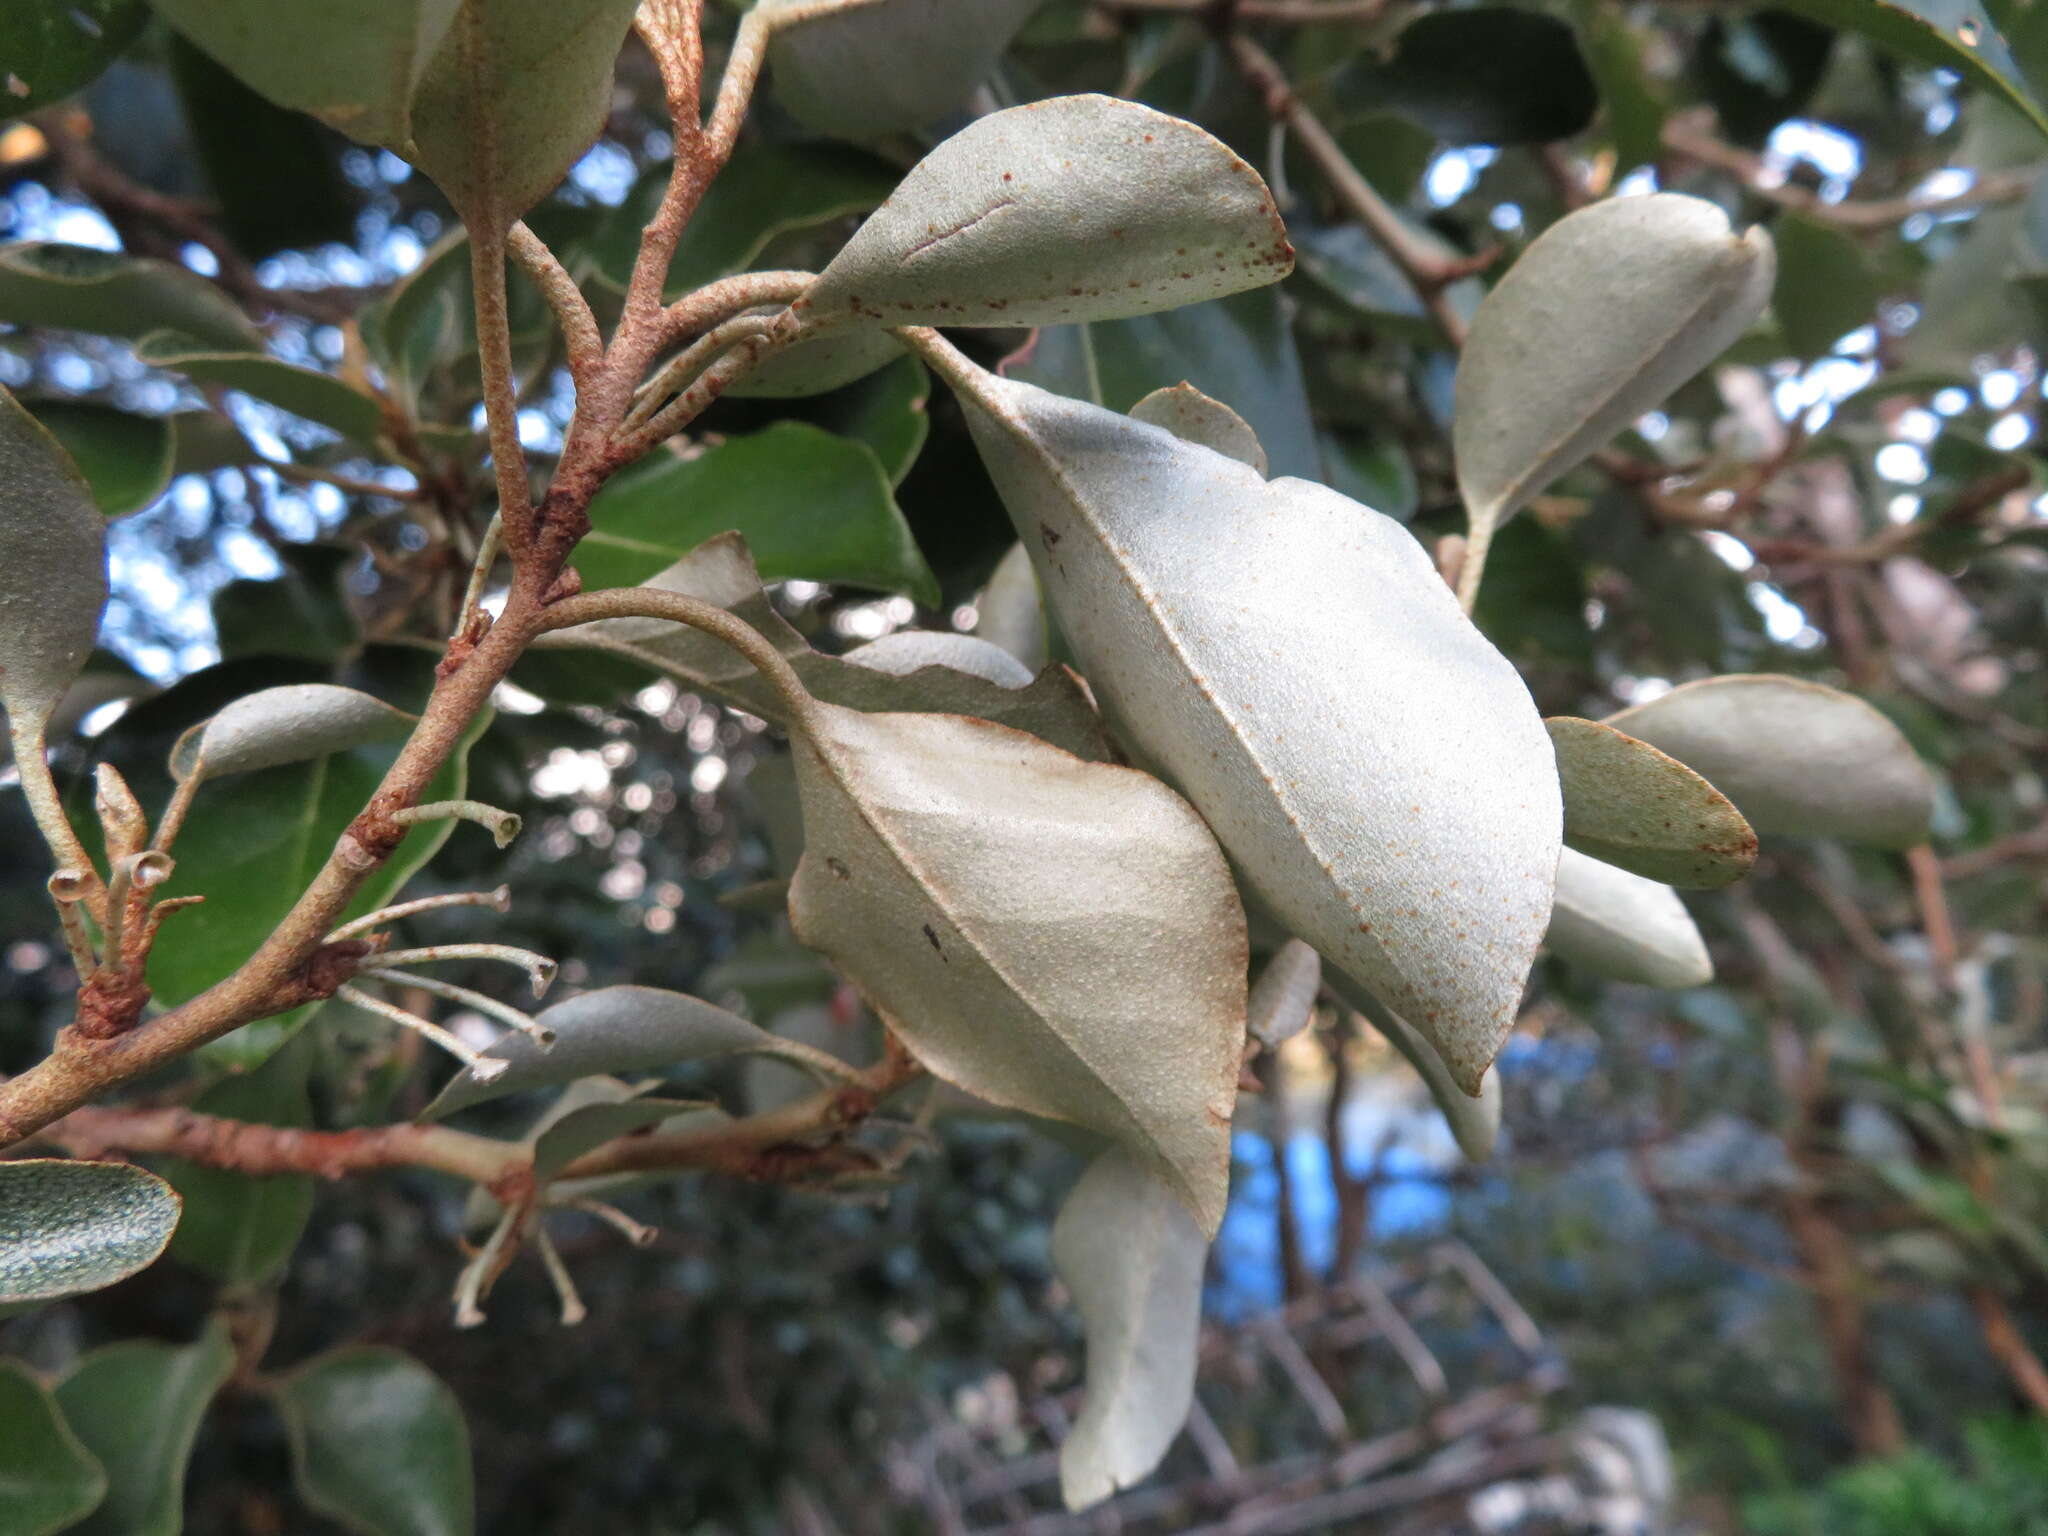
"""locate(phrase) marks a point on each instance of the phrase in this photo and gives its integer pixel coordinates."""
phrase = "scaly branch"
(298, 962)
(1689, 136)
(1427, 272)
(806, 1135)
(501, 393)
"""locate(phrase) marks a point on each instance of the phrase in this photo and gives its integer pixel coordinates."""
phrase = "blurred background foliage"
(1796, 1214)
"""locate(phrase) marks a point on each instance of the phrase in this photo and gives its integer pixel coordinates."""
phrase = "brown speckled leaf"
(1295, 666)
(1633, 806)
(1076, 208)
(1050, 934)
(1797, 758)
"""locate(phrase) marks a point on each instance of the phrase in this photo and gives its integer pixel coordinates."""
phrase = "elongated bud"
(120, 813)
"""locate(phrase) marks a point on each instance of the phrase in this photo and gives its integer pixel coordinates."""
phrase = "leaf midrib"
(1037, 1009)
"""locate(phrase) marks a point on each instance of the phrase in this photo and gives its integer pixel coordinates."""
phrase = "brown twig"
(802, 1136)
(1688, 135)
(156, 223)
(1427, 272)
(1288, 13)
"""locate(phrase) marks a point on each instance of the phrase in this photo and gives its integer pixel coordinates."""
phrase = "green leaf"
(764, 191)
(1406, 824)
(1132, 1259)
(809, 504)
(352, 63)
(291, 724)
(1533, 605)
(137, 1406)
(379, 1444)
(76, 288)
(1557, 365)
(273, 173)
(1620, 925)
(67, 1227)
(426, 318)
(1239, 351)
(1964, 40)
(1372, 470)
(48, 1479)
(1974, 301)
(53, 569)
(1194, 418)
(50, 48)
(1487, 75)
(1352, 268)
(238, 1227)
(581, 1130)
(1798, 759)
(1634, 107)
(868, 68)
(301, 613)
(1076, 208)
(1826, 287)
(885, 410)
(251, 846)
(125, 458)
(1629, 804)
(422, 332)
(1052, 935)
(318, 397)
(512, 97)
(814, 367)
(607, 1032)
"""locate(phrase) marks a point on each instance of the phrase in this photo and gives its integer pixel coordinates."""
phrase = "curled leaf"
(53, 569)
(1283, 999)
(1606, 312)
(1193, 417)
(318, 397)
(1474, 1121)
(1631, 805)
(611, 1030)
(291, 724)
(82, 288)
(1012, 614)
(908, 650)
(831, 361)
(67, 1227)
(1798, 759)
(1132, 1258)
(1053, 935)
(1295, 665)
(1076, 208)
(1624, 926)
(721, 571)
